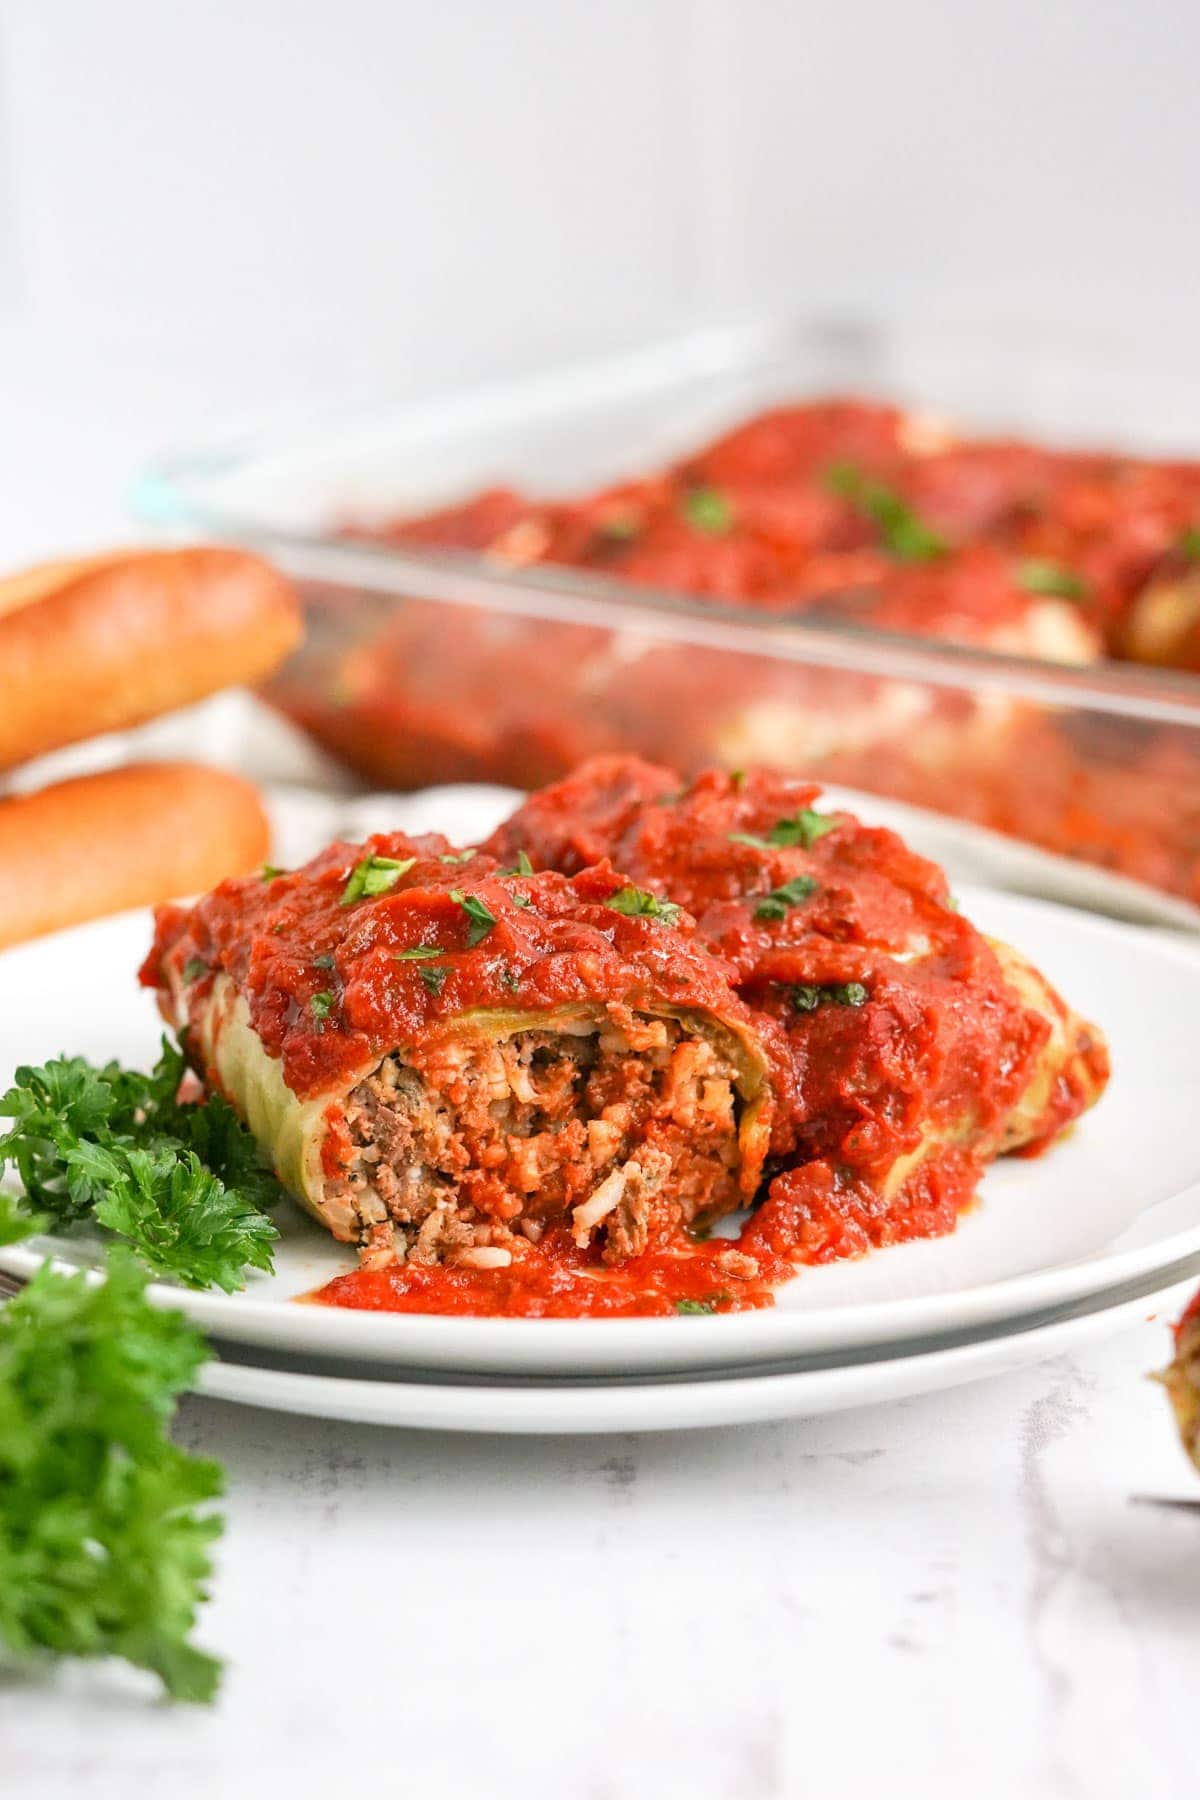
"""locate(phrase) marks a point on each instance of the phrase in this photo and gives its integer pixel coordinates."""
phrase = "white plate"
(675, 1404)
(1118, 1200)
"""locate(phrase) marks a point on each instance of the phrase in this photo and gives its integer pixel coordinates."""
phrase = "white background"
(210, 212)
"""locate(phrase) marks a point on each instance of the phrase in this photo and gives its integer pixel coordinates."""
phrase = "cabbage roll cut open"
(445, 1057)
(913, 1049)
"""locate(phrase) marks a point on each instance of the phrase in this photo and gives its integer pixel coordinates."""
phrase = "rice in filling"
(610, 1131)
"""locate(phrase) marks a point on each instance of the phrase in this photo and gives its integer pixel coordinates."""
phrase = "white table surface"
(953, 1595)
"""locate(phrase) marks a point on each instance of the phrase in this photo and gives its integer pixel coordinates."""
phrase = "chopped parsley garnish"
(324, 961)
(807, 998)
(461, 856)
(418, 953)
(521, 900)
(737, 780)
(320, 1005)
(434, 979)
(269, 872)
(182, 1183)
(687, 1307)
(478, 912)
(637, 903)
(1189, 543)
(775, 905)
(375, 875)
(105, 1552)
(509, 979)
(620, 529)
(195, 968)
(708, 509)
(801, 829)
(901, 532)
(1037, 576)
(523, 866)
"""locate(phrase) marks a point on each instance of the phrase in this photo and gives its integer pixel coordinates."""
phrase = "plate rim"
(720, 1400)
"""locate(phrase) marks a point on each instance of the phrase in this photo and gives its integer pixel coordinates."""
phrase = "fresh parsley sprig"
(182, 1183)
(102, 1549)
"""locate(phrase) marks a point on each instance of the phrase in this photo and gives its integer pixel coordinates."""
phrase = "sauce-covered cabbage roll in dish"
(915, 1050)
(448, 1059)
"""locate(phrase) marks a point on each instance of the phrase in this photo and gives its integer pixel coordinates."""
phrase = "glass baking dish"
(425, 666)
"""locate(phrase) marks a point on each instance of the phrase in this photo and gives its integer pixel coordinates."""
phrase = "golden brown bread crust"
(107, 642)
(128, 837)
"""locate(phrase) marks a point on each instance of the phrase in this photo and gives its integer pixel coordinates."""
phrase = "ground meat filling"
(612, 1132)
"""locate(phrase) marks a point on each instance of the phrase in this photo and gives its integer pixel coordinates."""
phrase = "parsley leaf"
(16, 1221)
(523, 866)
(458, 856)
(1189, 544)
(620, 529)
(418, 953)
(180, 1216)
(434, 979)
(321, 1004)
(374, 875)
(694, 1306)
(323, 961)
(799, 830)
(775, 904)
(102, 1549)
(269, 872)
(637, 903)
(182, 1183)
(1037, 576)
(478, 912)
(901, 532)
(809, 998)
(708, 509)
(509, 979)
(195, 969)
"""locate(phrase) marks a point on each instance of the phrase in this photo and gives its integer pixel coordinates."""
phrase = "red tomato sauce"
(901, 1047)
(806, 503)
(333, 987)
(555, 1280)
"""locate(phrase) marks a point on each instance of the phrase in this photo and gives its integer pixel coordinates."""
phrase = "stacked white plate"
(1061, 1249)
